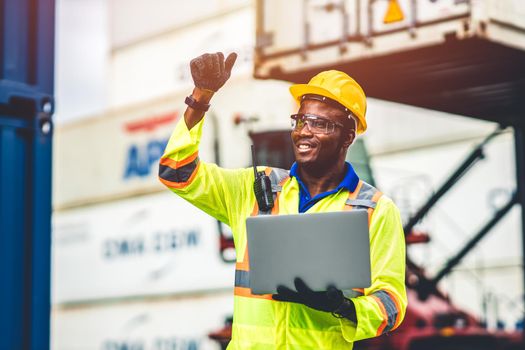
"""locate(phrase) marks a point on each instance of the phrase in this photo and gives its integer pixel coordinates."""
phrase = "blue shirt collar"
(349, 182)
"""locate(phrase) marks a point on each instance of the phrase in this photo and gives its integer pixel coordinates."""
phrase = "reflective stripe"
(365, 196)
(278, 175)
(277, 188)
(178, 175)
(242, 286)
(175, 164)
(361, 203)
(390, 310)
(375, 198)
(174, 185)
(242, 278)
(366, 192)
(398, 307)
(247, 293)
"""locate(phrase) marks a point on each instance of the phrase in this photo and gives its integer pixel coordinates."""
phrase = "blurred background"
(135, 267)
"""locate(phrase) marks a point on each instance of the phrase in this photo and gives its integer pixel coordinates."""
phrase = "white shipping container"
(319, 22)
(166, 324)
(148, 245)
(299, 35)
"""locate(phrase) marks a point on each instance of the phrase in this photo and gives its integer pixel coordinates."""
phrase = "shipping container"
(302, 34)
(161, 324)
(148, 245)
(27, 30)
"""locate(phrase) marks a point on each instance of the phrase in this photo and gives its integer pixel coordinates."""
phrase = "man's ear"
(349, 138)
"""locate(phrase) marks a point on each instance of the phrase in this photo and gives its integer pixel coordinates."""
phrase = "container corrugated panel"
(175, 323)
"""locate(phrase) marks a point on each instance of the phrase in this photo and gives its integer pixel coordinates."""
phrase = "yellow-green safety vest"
(258, 321)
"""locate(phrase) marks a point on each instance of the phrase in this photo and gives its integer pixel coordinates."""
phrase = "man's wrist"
(193, 116)
(202, 95)
(197, 106)
(346, 310)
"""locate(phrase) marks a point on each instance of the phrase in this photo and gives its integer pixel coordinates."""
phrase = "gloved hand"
(332, 300)
(210, 71)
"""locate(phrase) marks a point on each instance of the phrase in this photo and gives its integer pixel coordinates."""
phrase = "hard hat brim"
(298, 90)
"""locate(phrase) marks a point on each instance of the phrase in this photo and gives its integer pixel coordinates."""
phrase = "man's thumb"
(230, 61)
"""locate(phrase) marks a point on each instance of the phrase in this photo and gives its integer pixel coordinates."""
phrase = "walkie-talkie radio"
(262, 187)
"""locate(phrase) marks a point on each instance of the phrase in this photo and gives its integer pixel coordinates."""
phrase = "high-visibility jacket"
(258, 321)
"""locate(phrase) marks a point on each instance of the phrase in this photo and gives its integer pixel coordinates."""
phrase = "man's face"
(317, 150)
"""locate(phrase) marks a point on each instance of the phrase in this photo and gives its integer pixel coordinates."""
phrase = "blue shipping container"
(26, 107)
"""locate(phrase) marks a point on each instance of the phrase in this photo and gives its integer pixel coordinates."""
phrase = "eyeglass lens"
(315, 124)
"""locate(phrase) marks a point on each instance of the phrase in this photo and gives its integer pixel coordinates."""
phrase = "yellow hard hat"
(339, 87)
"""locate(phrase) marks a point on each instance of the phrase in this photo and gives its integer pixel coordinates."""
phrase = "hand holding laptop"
(332, 300)
(325, 301)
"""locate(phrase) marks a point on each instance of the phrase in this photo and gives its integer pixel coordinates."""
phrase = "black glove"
(332, 300)
(210, 71)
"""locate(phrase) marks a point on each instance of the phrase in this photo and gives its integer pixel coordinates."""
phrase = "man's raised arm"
(205, 185)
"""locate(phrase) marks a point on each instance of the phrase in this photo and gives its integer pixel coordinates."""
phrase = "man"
(332, 111)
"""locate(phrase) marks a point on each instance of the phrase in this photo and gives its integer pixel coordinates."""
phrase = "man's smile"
(304, 146)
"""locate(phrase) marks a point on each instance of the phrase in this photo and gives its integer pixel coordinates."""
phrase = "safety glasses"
(316, 124)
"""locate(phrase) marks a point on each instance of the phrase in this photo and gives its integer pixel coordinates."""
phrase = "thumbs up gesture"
(210, 71)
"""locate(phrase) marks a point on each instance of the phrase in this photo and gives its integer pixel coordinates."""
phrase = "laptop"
(321, 248)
